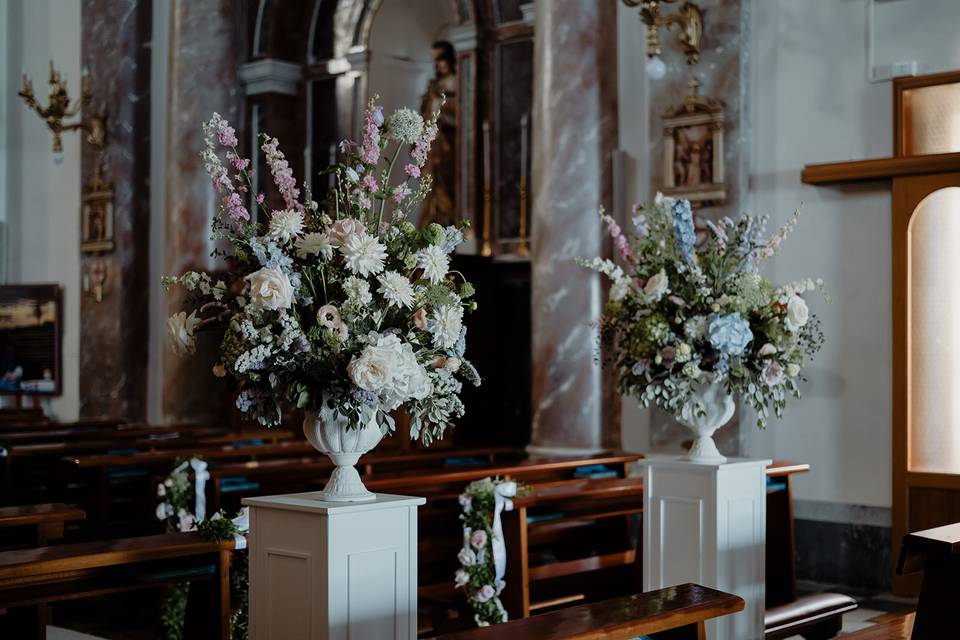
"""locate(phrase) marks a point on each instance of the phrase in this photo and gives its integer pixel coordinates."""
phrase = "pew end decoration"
(483, 558)
(344, 309)
(691, 327)
(182, 508)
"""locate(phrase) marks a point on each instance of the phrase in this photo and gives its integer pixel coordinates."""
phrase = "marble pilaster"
(205, 55)
(574, 133)
(114, 331)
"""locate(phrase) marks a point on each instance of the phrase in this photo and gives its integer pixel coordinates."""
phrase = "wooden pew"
(815, 616)
(48, 520)
(936, 552)
(590, 517)
(900, 628)
(677, 613)
(32, 578)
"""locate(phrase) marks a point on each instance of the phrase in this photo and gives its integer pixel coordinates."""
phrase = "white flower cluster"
(388, 367)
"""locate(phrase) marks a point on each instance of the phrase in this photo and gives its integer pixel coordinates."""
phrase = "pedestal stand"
(706, 523)
(333, 570)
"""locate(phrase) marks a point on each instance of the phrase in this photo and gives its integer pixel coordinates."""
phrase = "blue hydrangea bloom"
(683, 229)
(729, 333)
(451, 238)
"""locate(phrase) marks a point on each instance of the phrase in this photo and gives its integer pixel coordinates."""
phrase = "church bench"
(48, 519)
(900, 628)
(34, 578)
(813, 616)
(935, 552)
(677, 613)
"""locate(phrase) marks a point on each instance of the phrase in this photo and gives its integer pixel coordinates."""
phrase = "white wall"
(812, 102)
(39, 198)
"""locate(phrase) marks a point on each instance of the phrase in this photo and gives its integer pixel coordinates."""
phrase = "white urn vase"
(718, 406)
(331, 433)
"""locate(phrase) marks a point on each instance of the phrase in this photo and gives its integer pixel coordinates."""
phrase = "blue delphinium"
(683, 229)
(729, 333)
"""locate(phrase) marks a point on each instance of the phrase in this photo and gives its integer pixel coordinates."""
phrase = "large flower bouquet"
(680, 315)
(345, 305)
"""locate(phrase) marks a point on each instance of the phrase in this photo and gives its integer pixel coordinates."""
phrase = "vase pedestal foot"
(345, 485)
(704, 451)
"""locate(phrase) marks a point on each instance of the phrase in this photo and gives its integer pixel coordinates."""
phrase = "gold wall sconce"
(689, 23)
(59, 108)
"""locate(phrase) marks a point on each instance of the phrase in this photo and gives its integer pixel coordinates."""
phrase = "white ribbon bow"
(200, 477)
(502, 502)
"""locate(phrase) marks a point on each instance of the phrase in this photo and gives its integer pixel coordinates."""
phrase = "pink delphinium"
(372, 121)
(400, 192)
(282, 173)
(412, 170)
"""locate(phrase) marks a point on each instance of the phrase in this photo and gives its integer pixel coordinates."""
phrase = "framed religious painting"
(693, 150)
(96, 217)
(31, 320)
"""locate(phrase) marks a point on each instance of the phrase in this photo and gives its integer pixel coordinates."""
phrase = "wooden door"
(926, 344)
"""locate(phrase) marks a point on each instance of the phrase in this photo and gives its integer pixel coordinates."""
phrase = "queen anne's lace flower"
(364, 254)
(434, 263)
(286, 224)
(405, 125)
(357, 290)
(396, 289)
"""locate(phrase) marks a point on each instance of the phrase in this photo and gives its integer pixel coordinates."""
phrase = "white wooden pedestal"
(706, 523)
(333, 570)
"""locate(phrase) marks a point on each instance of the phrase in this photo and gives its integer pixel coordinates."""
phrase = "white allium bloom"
(357, 290)
(286, 225)
(181, 327)
(405, 125)
(396, 289)
(434, 263)
(364, 254)
(797, 314)
(270, 289)
(445, 324)
(314, 244)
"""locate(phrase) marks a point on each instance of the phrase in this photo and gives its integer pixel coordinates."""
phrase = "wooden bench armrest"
(619, 618)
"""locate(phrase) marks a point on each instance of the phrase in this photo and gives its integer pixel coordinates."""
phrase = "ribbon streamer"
(502, 495)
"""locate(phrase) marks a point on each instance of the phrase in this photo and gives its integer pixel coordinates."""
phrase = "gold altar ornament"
(688, 19)
(693, 149)
(59, 108)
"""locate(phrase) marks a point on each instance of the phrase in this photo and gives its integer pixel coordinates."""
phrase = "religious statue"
(440, 205)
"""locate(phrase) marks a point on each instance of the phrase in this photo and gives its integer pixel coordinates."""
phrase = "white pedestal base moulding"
(706, 523)
(333, 570)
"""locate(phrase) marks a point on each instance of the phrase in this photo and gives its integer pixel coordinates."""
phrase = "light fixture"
(58, 109)
(689, 21)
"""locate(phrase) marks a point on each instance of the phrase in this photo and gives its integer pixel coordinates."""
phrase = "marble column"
(114, 331)
(724, 73)
(205, 52)
(575, 405)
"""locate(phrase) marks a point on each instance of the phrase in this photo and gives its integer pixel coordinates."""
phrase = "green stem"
(386, 183)
(323, 281)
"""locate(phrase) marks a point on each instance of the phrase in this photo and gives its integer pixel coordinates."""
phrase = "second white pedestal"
(706, 523)
(333, 570)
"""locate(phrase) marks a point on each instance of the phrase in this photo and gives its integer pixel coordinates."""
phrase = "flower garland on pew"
(183, 508)
(484, 555)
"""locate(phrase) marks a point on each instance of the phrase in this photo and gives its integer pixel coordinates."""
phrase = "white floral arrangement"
(483, 556)
(347, 304)
(680, 314)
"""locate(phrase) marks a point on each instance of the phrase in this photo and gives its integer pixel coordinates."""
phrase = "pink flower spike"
(260, 198)
(412, 170)
(369, 183)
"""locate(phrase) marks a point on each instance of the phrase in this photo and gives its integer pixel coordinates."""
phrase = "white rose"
(793, 369)
(797, 314)
(656, 286)
(372, 370)
(767, 350)
(467, 557)
(270, 289)
(181, 328)
(452, 364)
(461, 578)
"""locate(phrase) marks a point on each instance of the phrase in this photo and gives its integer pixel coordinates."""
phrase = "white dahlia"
(396, 289)
(445, 324)
(286, 224)
(314, 244)
(364, 254)
(434, 263)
